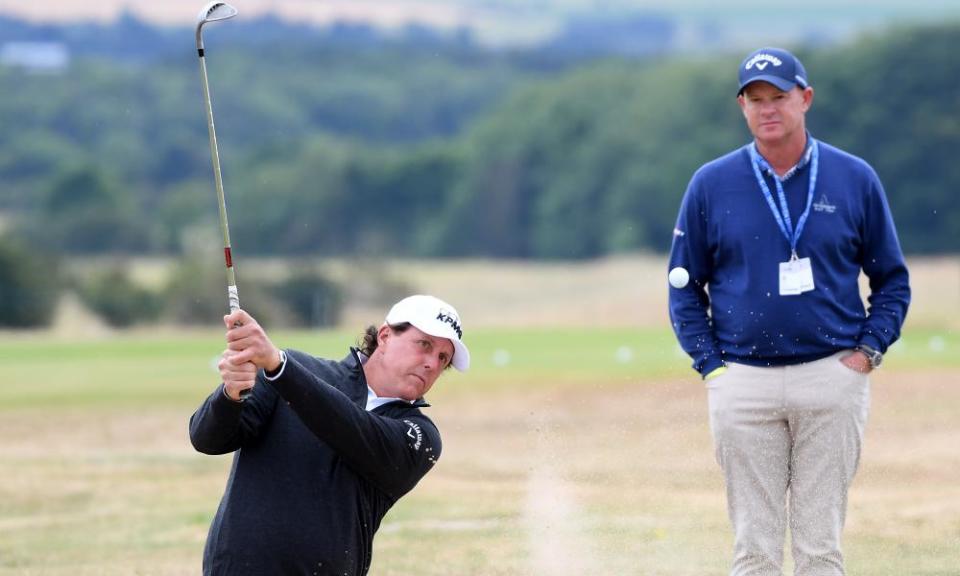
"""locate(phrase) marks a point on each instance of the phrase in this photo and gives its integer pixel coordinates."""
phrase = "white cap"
(436, 318)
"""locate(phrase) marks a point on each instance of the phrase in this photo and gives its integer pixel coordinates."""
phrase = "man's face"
(413, 360)
(774, 116)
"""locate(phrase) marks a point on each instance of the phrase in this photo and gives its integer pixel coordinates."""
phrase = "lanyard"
(782, 215)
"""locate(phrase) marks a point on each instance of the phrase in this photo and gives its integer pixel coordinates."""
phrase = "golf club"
(214, 12)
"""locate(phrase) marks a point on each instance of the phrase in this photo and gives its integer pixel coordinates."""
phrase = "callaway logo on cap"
(436, 318)
(775, 66)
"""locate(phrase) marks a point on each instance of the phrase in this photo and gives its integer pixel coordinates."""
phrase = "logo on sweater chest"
(824, 205)
(414, 434)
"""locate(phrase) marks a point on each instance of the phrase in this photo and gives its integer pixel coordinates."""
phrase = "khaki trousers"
(788, 439)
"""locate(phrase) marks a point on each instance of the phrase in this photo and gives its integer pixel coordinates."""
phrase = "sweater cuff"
(710, 364)
(873, 342)
(271, 376)
(715, 372)
(225, 403)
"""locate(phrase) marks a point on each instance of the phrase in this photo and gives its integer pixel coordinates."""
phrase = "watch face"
(873, 356)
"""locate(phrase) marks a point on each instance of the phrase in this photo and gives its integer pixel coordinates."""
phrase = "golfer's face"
(772, 114)
(415, 360)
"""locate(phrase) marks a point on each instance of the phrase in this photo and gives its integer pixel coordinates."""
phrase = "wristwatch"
(873, 355)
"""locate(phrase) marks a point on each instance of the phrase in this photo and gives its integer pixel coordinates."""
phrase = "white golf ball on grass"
(679, 277)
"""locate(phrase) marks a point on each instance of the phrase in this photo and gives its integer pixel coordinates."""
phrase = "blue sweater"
(727, 238)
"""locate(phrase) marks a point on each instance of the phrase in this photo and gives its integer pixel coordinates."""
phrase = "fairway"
(566, 451)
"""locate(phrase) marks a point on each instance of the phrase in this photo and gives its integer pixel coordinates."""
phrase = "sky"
(513, 20)
(386, 12)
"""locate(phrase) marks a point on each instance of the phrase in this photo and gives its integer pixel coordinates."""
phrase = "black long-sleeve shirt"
(313, 472)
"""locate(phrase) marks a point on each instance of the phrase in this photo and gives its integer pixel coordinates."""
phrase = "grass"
(567, 451)
(167, 368)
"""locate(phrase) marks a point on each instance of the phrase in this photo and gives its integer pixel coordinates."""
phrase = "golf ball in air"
(679, 277)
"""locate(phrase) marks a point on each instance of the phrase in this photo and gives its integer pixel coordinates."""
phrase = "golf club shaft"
(232, 294)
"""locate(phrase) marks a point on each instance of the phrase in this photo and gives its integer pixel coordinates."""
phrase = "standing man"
(322, 448)
(774, 236)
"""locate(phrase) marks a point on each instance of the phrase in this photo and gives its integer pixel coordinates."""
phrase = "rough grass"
(566, 459)
(571, 448)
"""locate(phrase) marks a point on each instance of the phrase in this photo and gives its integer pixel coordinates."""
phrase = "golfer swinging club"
(322, 448)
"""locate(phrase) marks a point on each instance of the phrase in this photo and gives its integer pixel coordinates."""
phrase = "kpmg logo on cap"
(762, 60)
(448, 317)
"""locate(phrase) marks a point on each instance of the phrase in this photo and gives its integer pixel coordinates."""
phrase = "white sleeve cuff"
(283, 364)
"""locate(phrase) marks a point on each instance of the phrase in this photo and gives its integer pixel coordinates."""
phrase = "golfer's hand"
(858, 362)
(236, 377)
(247, 339)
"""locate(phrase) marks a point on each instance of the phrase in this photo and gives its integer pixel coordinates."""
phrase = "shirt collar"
(804, 160)
(374, 401)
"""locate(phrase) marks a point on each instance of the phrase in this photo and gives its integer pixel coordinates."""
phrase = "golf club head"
(212, 12)
(215, 11)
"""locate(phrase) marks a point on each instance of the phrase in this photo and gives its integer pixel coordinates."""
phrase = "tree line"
(413, 151)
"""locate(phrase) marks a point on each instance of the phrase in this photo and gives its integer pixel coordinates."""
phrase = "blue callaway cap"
(773, 65)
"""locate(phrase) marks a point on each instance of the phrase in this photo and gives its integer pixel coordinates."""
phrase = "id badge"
(796, 277)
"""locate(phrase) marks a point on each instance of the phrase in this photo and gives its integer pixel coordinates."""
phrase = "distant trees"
(592, 164)
(29, 285)
(434, 152)
(87, 212)
(118, 299)
(596, 161)
(895, 100)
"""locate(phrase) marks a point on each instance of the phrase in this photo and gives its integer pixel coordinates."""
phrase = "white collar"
(374, 401)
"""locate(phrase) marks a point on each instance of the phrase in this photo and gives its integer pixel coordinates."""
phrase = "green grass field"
(566, 451)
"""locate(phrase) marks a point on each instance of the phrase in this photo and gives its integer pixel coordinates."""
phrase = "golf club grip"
(234, 297)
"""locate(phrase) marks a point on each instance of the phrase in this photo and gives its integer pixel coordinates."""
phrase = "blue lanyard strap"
(782, 214)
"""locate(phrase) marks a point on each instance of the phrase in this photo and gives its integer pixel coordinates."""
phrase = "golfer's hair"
(367, 343)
